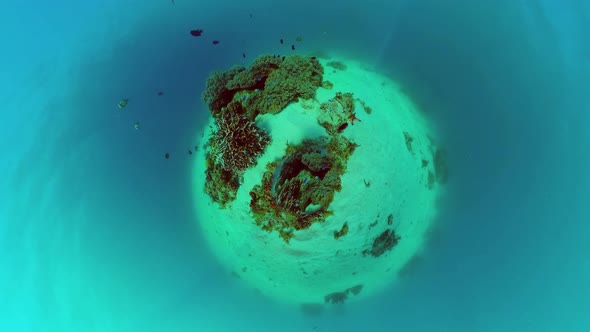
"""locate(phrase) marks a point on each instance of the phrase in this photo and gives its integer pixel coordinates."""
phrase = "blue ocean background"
(98, 230)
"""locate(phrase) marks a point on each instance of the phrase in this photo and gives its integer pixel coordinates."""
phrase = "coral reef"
(221, 185)
(297, 190)
(216, 93)
(235, 98)
(268, 86)
(341, 297)
(237, 142)
(327, 85)
(343, 231)
(384, 242)
(338, 113)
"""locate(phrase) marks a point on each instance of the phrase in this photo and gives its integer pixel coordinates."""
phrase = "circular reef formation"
(317, 179)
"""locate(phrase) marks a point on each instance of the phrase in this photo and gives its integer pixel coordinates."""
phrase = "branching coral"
(238, 142)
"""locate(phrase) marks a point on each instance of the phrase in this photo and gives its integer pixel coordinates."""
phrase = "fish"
(282, 41)
(293, 47)
(190, 152)
(160, 93)
(173, 2)
(298, 39)
(167, 155)
(244, 55)
(196, 33)
(136, 125)
(196, 147)
(250, 15)
(123, 103)
(215, 42)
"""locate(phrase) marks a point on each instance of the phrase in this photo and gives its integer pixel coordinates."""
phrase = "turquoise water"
(97, 228)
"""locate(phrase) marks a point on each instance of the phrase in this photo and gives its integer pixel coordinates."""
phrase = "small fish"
(167, 155)
(293, 47)
(244, 98)
(136, 125)
(123, 103)
(244, 55)
(160, 93)
(283, 59)
(190, 152)
(250, 15)
(298, 39)
(282, 41)
(259, 79)
(196, 148)
(215, 42)
(173, 2)
(196, 33)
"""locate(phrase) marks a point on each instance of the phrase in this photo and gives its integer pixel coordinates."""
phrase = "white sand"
(315, 264)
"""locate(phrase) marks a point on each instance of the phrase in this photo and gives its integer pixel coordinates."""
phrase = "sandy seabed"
(315, 264)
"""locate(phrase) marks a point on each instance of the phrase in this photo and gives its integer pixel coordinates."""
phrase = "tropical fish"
(293, 47)
(136, 125)
(282, 40)
(298, 39)
(160, 93)
(196, 33)
(190, 152)
(244, 55)
(215, 42)
(123, 103)
(167, 155)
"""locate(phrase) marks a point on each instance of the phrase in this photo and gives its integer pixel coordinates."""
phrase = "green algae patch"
(297, 190)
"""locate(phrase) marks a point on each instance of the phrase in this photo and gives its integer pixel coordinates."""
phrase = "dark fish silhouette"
(160, 93)
(244, 55)
(282, 40)
(190, 152)
(293, 47)
(196, 147)
(215, 42)
(250, 15)
(167, 155)
(196, 33)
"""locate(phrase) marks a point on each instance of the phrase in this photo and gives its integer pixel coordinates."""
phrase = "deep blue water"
(97, 229)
